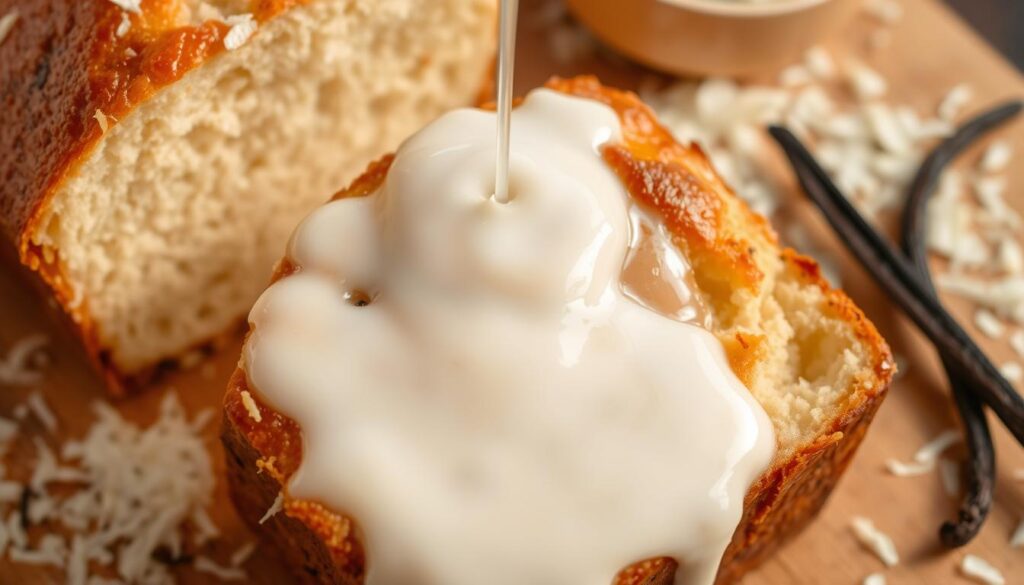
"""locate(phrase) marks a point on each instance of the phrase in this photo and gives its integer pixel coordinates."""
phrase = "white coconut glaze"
(502, 411)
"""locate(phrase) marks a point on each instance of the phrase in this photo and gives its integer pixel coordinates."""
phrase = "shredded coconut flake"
(243, 26)
(206, 530)
(133, 6)
(955, 101)
(251, 407)
(1017, 342)
(101, 119)
(886, 11)
(819, 63)
(7, 24)
(874, 579)
(989, 324)
(989, 191)
(242, 554)
(78, 562)
(926, 457)
(980, 571)
(876, 541)
(1011, 256)
(16, 368)
(206, 565)
(867, 83)
(795, 76)
(1012, 371)
(901, 469)
(1017, 540)
(37, 405)
(937, 446)
(50, 551)
(276, 507)
(886, 129)
(996, 158)
(124, 26)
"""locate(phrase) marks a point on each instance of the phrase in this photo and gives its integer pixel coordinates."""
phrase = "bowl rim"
(742, 9)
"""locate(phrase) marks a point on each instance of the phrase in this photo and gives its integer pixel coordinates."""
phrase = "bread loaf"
(811, 359)
(156, 157)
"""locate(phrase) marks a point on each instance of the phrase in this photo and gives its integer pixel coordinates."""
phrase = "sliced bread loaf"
(156, 155)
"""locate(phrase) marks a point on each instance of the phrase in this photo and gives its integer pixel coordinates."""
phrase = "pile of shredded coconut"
(119, 505)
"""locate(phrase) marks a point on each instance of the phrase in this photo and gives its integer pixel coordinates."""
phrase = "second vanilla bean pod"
(980, 468)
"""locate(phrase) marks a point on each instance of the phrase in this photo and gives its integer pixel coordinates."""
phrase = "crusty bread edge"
(253, 493)
(790, 494)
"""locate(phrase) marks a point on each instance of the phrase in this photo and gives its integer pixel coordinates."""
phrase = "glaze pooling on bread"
(499, 379)
(780, 323)
(157, 228)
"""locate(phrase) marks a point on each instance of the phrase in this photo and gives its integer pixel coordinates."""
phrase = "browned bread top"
(785, 330)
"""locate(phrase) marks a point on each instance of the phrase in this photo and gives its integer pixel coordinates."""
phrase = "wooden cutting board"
(931, 51)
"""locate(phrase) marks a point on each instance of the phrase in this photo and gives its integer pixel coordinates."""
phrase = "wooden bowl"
(713, 37)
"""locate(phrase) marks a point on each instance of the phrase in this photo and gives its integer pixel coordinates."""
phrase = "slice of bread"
(809, 356)
(155, 162)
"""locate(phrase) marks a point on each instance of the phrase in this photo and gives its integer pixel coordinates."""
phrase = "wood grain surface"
(932, 51)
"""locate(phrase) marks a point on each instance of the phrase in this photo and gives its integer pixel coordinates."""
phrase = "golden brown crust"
(62, 63)
(727, 243)
(320, 546)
